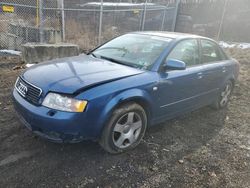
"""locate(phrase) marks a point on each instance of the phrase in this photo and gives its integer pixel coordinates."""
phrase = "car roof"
(172, 35)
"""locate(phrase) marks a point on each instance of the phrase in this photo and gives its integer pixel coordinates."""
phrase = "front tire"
(224, 96)
(125, 129)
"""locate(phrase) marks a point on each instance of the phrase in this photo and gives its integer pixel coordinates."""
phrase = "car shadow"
(162, 145)
(188, 132)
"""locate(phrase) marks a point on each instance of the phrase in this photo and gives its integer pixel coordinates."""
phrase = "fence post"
(37, 13)
(41, 33)
(175, 14)
(144, 15)
(100, 24)
(61, 7)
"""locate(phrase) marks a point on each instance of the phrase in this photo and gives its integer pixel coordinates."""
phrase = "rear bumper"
(57, 126)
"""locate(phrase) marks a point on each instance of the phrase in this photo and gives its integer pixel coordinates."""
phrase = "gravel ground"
(205, 148)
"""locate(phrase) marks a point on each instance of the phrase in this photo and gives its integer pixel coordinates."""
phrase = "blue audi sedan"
(115, 92)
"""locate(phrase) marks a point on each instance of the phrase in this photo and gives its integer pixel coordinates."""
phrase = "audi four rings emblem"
(22, 89)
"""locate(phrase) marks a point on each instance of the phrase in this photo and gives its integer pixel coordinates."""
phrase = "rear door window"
(210, 52)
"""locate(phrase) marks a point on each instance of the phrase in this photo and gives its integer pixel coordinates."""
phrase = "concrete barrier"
(36, 53)
(10, 41)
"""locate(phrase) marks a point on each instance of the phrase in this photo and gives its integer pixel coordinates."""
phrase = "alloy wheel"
(127, 130)
(225, 94)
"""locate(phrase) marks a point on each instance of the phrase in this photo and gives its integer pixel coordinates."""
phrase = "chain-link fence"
(23, 21)
(91, 23)
(83, 22)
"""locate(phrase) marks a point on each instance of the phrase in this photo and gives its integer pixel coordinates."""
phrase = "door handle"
(224, 69)
(200, 75)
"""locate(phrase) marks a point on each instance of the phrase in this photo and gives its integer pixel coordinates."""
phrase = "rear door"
(214, 68)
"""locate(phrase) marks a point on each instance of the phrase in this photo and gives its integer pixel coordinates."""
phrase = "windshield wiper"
(112, 48)
(91, 53)
(118, 61)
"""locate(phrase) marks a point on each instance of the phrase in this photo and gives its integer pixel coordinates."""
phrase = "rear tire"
(125, 129)
(224, 96)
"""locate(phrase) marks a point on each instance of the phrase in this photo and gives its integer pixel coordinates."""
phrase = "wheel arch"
(138, 100)
(232, 80)
(138, 96)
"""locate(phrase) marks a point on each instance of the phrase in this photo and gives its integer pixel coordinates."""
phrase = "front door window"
(186, 51)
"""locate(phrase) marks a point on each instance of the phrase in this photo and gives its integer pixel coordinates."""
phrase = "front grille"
(28, 91)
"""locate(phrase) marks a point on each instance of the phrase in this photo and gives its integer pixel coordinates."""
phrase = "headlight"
(64, 103)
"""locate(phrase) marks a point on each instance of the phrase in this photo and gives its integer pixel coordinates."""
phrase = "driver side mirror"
(173, 64)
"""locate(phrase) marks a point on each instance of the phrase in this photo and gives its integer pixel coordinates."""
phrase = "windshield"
(140, 51)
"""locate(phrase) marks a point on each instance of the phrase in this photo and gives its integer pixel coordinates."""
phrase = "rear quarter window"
(223, 54)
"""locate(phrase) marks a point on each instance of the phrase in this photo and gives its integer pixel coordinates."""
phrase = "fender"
(128, 95)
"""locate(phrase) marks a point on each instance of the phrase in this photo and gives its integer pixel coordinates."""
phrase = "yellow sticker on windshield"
(136, 11)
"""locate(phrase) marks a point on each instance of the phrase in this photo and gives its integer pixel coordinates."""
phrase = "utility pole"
(222, 20)
(144, 15)
(175, 14)
(163, 19)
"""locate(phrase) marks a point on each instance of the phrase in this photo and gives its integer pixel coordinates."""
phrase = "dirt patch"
(205, 148)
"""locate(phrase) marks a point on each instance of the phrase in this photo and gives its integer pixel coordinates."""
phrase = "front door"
(181, 90)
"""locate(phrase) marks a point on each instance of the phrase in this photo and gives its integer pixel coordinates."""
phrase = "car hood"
(74, 74)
